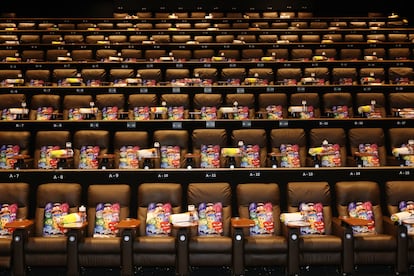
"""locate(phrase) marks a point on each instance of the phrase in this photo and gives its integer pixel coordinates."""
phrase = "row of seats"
(191, 36)
(201, 76)
(115, 55)
(208, 148)
(173, 106)
(235, 243)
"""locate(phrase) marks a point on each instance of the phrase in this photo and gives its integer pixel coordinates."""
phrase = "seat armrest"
(20, 224)
(390, 227)
(237, 222)
(128, 229)
(128, 226)
(128, 223)
(338, 228)
(348, 221)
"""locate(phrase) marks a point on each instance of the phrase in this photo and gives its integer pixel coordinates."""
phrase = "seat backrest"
(311, 192)
(344, 76)
(16, 193)
(131, 54)
(247, 193)
(34, 77)
(73, 38)
(267, 38)
(126, 139)
(206, 74)
(45, 139)
(150, 75)
(16, 138)
(332, 136)
(10, 74)
(279, 54)
(107, 194)
(94, 75)
(301, 54)
(378, 52)
(338, 105)
(60, 74)
(172, 138)
(174, 74)
(29, 39)
(54, 54)
(289, 136)
(216, 192)
(368, 98)
(13, 100)
(69, 193)
(139, 38)
(8, 53)
(267, 100)
(399, 136)
(73, 102)
(311, 99)
(202, 139)
(50, 38)
(320, 74)
(229, 74)
(251, 138)
(359, 191)
(176, 100)
(118, 39)
(230, 54)
(104, 102)
(224, 38)
(89, 138)
(311, 38)
(33, 55)
(103, 54)
(399, 53)
(181, 54)
(400, 100)
(397, 191)
(252, 54)
(82, 55)
(368, 136)
(137, 101)
(400, 75)
(204, 103)
(40, 102)
(120, 74)
(350, 54)
(149, 193)
(288, 76)
(242, 100)
(377, 75)
(266, 75)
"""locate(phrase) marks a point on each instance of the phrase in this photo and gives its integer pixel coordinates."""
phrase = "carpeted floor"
(312, 271)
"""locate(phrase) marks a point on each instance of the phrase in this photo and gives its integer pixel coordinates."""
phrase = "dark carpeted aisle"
(312, 271)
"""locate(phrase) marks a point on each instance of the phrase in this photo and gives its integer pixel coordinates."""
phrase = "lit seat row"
(324, 227)
(208, 148)
(207, 106)
(202, 76)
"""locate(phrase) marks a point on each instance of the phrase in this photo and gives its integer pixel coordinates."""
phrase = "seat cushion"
(213, 244)
(46, 244)
(5, 246)
(155, 244)
(376, 242)
(265, 244)
(320, 243)
(96, 245)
